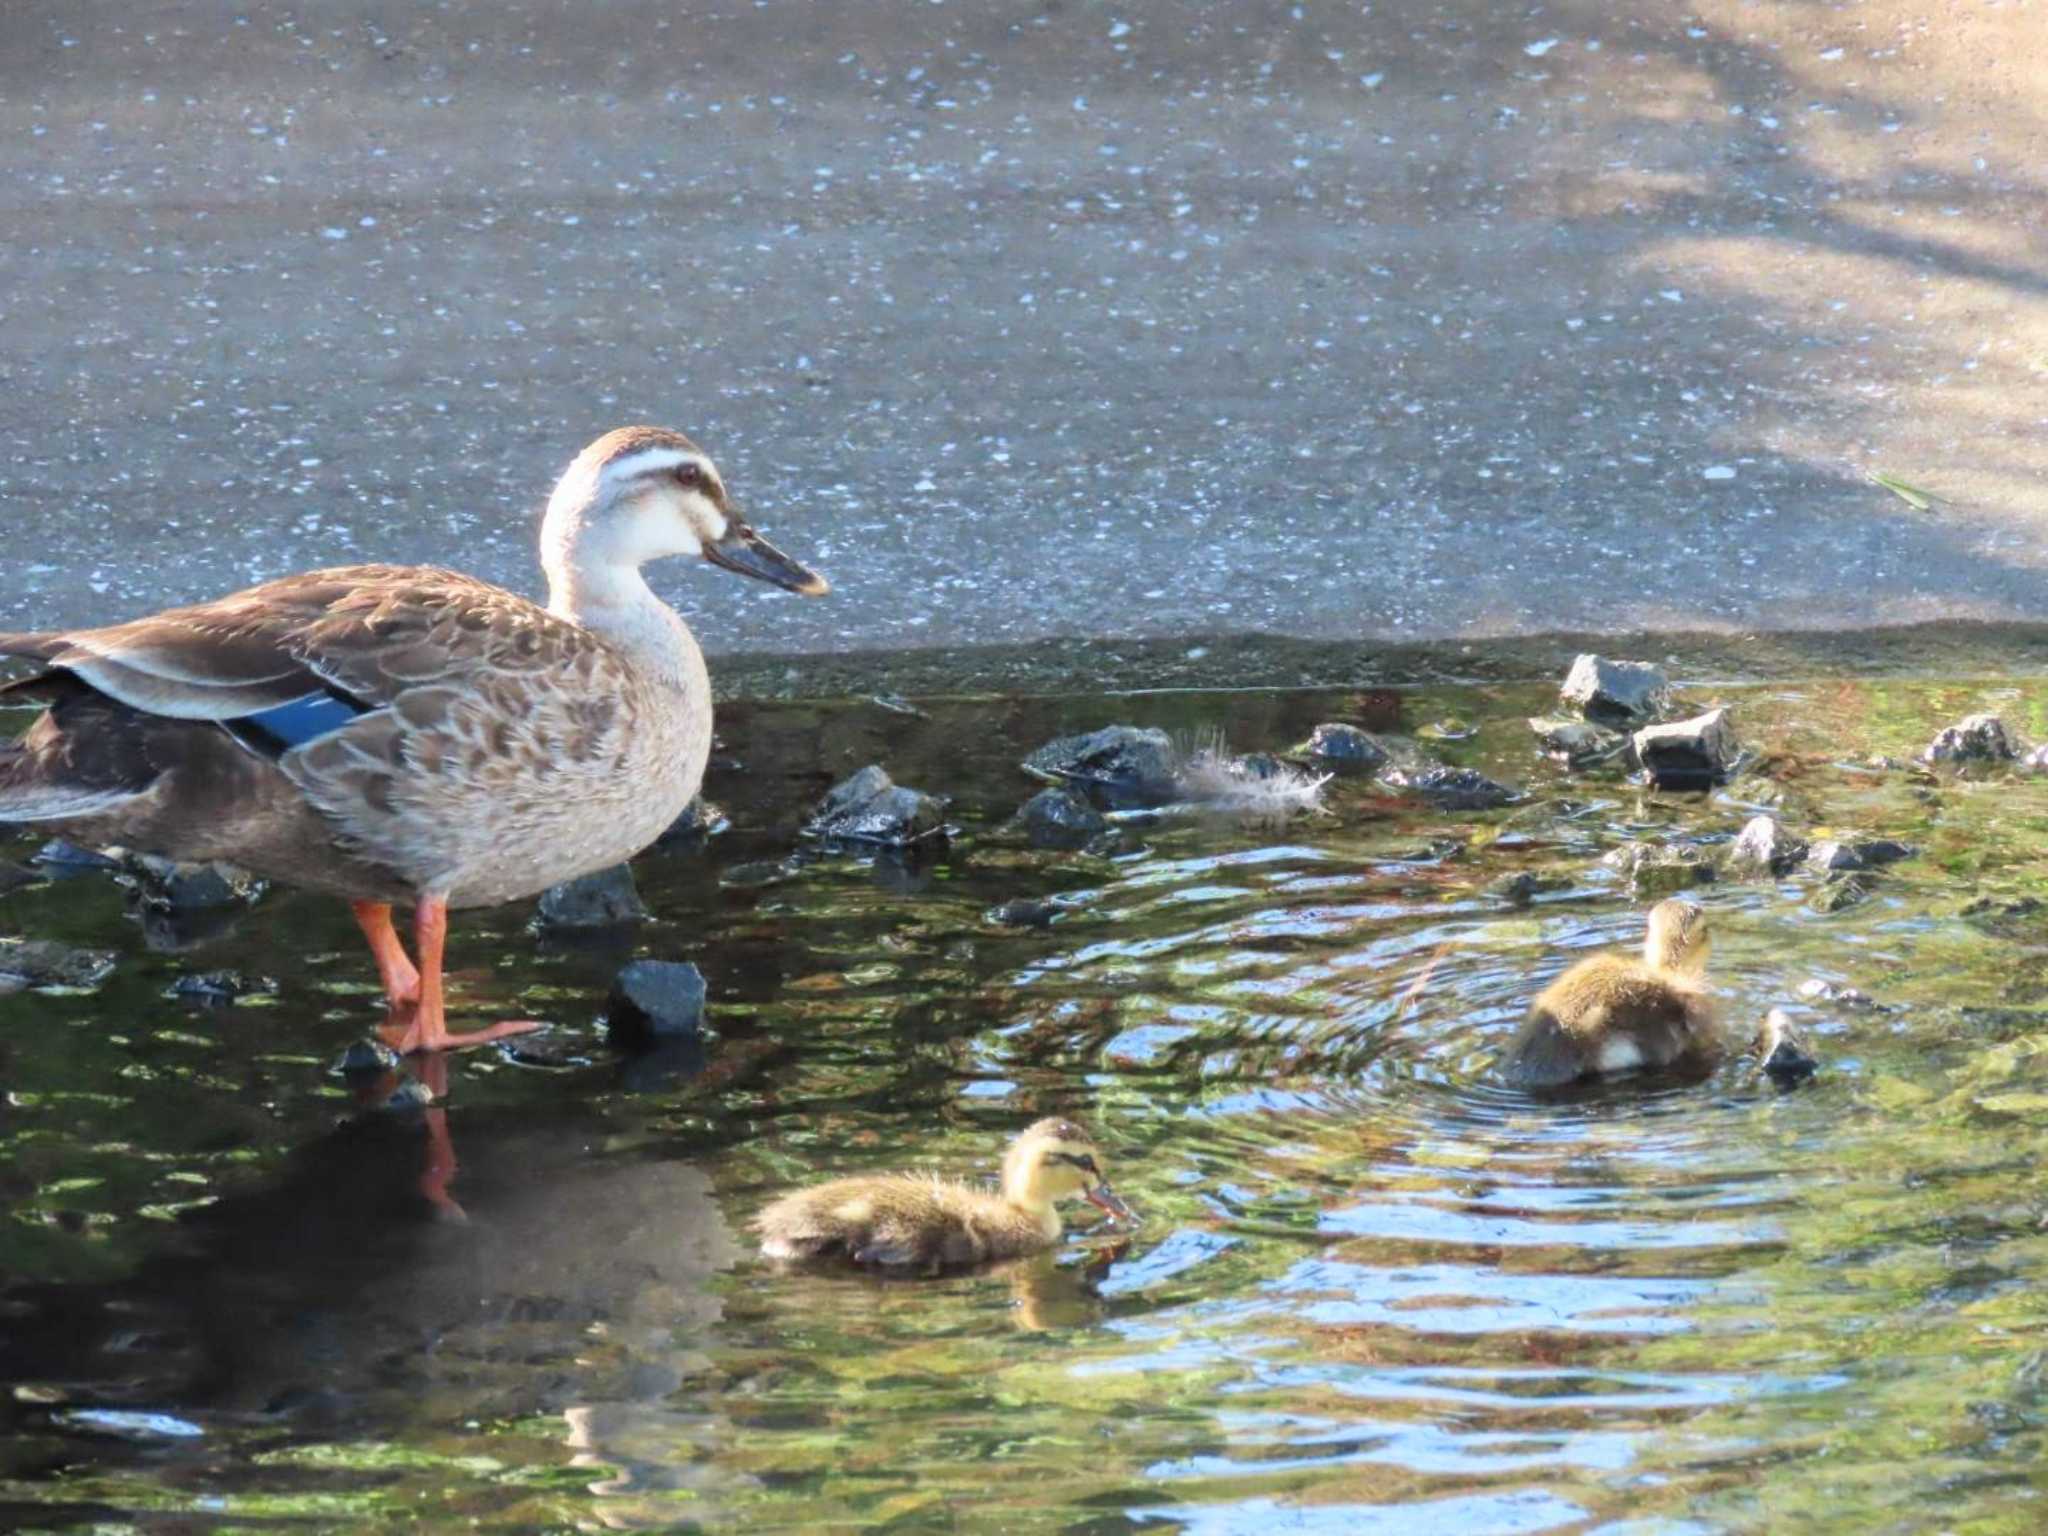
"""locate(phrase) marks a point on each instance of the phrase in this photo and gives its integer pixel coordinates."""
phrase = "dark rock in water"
(1840, 893)
(654, 1000)
(1688, 754)
(1973, 739)
(1615, 692)
(62, 858)
(219, 988)
(700, 822)
(1524, 886)
(1765, 848)
(606, 899)
(45, 963)
(1783, 1056)
(363, 1056)
(1575, 743)
(183, 887)
(1344, 748)
(1450, 789)
(1832, 855)
(870, 807)
(1657, 869)
(1024, 912)
(170, 930)
(1130, 766)
(1058, 818)
(14, 876)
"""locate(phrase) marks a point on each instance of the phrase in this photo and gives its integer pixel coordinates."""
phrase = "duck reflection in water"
(376, 1287)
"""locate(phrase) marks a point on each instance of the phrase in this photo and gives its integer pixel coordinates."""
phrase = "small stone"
(65, 858)
(1764, 848)
(1973, 739)
(1832, 855)
(655, 999)
(1687, 754)
(1450, 789)
(1024, 912)
(1523, 887)
(2036, 761)
(46, 963)
(606, 899)
(184, 887)
(1130, 765)
(1575, 743)
(1839, 894)
(700, 822)
(870, 807)
(221, 987)
(1615, 692)
(1059, 818)
(367, 1056)
(1344, 748)
(1783, 1055)
(1657, 869)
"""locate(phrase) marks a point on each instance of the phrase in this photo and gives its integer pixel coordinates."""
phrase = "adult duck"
(405, 734)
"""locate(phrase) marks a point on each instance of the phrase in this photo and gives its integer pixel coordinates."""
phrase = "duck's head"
(1677, 938)
(643, 493)
(1056, 1160)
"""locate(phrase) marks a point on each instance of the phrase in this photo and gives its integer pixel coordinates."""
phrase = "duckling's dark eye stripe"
(1079, 1160)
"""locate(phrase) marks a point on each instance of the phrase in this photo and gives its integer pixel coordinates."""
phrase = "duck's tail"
(82, 759)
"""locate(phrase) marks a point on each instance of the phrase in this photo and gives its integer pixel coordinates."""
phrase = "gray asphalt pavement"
(1025, 320)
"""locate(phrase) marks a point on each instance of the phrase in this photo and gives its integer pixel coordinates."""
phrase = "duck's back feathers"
(394, 702)
(899, 1221)
(1609, 1015)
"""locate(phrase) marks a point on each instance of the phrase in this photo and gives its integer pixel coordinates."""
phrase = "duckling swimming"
(927, 1224)
(1612, 1014)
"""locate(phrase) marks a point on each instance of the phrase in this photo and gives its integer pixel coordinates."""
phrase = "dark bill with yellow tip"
(745, 551)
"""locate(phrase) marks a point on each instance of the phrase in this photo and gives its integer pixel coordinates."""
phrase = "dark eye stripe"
(1081, 1160)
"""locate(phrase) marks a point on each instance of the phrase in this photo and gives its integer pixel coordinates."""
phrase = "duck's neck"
(614, 600)
(1033, 1203)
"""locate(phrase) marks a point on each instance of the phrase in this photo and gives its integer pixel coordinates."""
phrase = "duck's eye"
(1081, 1160)
(689, 476)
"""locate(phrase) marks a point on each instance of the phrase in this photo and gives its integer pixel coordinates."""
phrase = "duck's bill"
(745, 551)
(1106, 1199)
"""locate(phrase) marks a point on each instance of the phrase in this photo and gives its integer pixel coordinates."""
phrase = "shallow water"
(1374, 1291)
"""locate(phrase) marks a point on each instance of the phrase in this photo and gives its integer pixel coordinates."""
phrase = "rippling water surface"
(1374, 1291)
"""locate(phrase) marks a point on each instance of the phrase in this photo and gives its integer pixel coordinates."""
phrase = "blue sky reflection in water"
(1374, 1290)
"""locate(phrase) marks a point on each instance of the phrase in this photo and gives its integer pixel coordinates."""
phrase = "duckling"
(1611, 1014)
(927, 1224)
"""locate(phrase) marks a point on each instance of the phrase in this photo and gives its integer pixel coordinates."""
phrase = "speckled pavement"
(1029, 320)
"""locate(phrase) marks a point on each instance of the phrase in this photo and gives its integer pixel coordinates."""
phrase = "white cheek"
(700, 514)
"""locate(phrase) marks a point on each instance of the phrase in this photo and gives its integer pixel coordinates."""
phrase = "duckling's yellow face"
(1056, 1160)
(1677, 939)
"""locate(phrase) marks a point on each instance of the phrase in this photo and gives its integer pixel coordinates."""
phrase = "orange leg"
(401, 981)
(426, 1026)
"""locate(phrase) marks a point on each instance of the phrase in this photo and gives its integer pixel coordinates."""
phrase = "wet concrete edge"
(1949, 648)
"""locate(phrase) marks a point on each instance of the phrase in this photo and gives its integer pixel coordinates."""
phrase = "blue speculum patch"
(277, 730)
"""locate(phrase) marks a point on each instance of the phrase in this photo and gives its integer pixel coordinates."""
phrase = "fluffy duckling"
(1612, 1014)
(926, 1224)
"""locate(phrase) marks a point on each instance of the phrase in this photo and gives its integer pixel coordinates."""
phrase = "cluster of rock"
(1612, 712)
